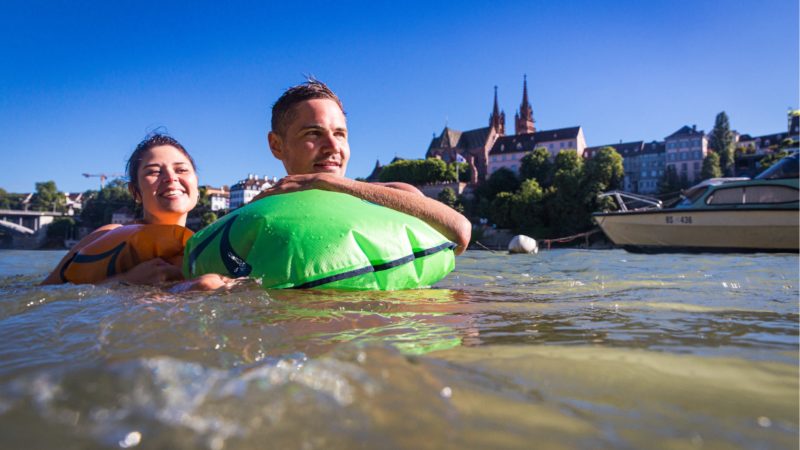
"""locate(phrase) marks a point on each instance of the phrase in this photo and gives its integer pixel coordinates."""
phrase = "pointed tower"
(523, 120)
(498, 118)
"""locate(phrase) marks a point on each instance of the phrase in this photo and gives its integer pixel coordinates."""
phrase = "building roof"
(625, 149)
(772, 139)
(376, 171)
(654, 147)
(685, 131)
(527, 142)
(451, 138)
(252, 182)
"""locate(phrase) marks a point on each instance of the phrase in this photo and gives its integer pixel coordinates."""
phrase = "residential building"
(685, 151)
(652, 162)
(219, 197)
(245, 190)
(630, 152)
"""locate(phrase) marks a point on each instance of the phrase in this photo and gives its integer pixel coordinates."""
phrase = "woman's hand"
(154, 271)
(207, 282)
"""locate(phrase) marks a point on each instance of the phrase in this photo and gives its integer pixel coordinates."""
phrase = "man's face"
(315, 140)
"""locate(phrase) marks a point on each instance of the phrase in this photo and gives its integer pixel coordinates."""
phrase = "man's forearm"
(441, 217)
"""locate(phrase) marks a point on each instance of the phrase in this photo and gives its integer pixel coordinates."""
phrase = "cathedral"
(488, 149)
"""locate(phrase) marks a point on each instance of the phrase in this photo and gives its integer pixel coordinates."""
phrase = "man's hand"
(294, 183)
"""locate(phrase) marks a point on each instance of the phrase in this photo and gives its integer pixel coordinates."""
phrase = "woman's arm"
(55, 275)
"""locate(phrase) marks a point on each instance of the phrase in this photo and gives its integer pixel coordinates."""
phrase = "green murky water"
(565, 349)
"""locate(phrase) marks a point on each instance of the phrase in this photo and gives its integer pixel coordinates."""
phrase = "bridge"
(27, 229)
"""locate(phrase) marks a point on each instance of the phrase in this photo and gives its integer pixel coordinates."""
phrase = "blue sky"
(82, 82)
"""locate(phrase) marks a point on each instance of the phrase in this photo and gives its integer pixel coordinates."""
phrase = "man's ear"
(275, 144)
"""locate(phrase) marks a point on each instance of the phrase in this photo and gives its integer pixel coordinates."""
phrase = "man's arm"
(398, 196)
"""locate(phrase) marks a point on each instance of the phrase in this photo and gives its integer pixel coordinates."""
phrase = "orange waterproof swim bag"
(119, 250)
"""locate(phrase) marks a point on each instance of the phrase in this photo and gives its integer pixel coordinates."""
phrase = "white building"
(508, 151)
(245, 190)
(219, 197)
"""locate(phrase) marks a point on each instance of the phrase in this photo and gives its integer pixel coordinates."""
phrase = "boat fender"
(523, 244)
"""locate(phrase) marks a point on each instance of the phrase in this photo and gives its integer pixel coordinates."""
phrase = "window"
(683, 167)
(696, 166)
(770, 194)
(561, 145)
(729, 196)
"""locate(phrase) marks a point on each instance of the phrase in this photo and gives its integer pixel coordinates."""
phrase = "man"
(309, 135)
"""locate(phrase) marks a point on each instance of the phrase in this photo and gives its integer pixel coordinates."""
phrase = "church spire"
(523, 120)
(498, 118)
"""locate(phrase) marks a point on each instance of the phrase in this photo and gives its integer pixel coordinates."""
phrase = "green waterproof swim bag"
(321, 239)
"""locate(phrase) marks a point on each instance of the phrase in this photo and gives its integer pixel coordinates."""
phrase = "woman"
(162, 178)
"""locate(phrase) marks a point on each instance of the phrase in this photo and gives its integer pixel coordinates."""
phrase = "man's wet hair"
(283, 109)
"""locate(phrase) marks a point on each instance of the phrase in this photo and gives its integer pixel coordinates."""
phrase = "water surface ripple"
(564, 349)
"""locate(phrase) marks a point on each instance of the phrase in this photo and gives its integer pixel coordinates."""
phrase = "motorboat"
(717, 215)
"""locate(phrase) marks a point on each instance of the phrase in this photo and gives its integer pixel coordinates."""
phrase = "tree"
(770, 160)
(100, 206)
(60, 229)
(670, 183)
(47, 197)
(417, 171)
(501, 180)
(604, 172)
(710, 167)
(5, 201)
(536, 165)
(721, 140)
(449, 197)
(566, 206)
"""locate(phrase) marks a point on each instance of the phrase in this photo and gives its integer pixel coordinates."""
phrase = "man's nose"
(331, 143)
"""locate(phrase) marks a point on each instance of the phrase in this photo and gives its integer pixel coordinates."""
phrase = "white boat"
(718, 215)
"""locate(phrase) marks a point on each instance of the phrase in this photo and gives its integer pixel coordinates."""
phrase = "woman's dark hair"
(150, 141)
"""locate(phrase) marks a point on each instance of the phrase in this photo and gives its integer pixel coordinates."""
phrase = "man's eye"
(153, 172)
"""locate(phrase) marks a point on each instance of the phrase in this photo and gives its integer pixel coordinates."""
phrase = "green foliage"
(208, 218)
(60, 229)
(419, 171)
(5, 199)
(100, 205)
(670, 183)
(604, 172)
(202, 211)
(770, 160)
(721, 140)
(536, 165)
(47, 197)
(502, 180)
(449, 197)
(711, 167)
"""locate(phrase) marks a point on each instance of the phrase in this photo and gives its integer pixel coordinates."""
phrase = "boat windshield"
(785, 168)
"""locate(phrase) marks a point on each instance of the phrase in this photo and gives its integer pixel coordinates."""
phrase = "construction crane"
(103, 177)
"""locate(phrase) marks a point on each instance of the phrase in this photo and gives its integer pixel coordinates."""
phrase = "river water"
(564, 349)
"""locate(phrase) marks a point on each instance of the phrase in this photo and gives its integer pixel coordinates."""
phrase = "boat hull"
(713, 230)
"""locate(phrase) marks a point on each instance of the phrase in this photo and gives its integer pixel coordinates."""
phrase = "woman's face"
(167, 185)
